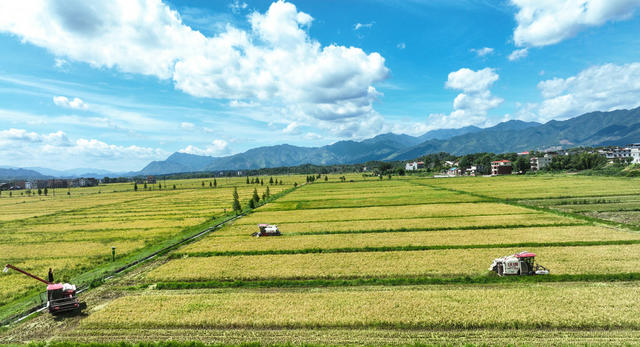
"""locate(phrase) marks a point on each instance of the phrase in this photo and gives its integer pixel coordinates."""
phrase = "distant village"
(537, 161)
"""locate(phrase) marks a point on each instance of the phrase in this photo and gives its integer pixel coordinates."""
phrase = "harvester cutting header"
(61, 297)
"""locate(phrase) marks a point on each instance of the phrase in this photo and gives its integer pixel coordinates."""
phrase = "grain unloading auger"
(61, 297)
(522, 264)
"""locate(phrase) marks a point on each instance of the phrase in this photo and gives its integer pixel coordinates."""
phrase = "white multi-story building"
(539, 163)
(635, 154)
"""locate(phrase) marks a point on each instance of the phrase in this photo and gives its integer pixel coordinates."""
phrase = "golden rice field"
(543, 186)
(470, 221)
(358, 226)
(543, 306)
(431, 263)
(80, 228)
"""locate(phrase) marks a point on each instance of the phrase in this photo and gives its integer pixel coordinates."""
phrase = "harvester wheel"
(500, 270)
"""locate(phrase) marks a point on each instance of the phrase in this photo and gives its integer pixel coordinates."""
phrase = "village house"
(475, 170)
(501, 167)
(455, 171)
(416, 165)
(539, 163)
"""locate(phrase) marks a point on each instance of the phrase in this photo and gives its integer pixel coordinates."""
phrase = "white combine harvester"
(267, 230)
(521, 264)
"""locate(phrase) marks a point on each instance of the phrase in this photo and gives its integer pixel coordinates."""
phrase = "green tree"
(252, 204)
(135, 186)
(268, 193)
(236, 201)
(295, 184)
(271, 180)
(210, 184)
(174, 187)
(326, 178)
(145, 185)
(202, 184)
(255, 197)
(261, 182)
(46, 191)
(215, 183)
(248, 180)
(159, 185)
(39, 191)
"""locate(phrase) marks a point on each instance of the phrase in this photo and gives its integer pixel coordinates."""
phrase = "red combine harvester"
(61, 297)
(267, 230)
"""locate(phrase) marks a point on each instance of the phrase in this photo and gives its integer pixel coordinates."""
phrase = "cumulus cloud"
(76, 103)
(481, 52)
(598, 88)
(472, 105)
(273, 61)
(31, 149)
(217, 147)
(546, 22)
(518, 54)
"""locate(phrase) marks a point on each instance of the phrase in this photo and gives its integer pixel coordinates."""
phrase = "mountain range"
(618, 127)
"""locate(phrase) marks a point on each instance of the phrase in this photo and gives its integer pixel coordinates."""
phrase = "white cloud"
(292, 128)
(471, 81)
(472, 105)
(187, 126)
(401, 45)
(236, 6)
(518, 54)
(359, 26)
(598, 88)
(546, 22)
(481, 52)
(274, 62)
(76, 103)
(217, 147)
(32, 149)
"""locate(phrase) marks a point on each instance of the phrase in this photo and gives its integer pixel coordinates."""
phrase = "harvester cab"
(267, 230)
(61, 297)
(521, 264)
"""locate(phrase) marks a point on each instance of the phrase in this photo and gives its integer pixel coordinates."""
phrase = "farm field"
(336, 274)
(73, 233)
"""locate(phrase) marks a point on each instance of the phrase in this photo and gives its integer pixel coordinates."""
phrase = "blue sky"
(116, 84)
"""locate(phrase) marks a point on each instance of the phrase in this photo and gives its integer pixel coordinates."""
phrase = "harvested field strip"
(451, 307)
(216, 243)
(403, 248)
(430, 210)
(459, 262)
(399, 281)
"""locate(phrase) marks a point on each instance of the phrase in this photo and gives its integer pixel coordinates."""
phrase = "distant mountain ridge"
(592, 129)
(618, 127)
